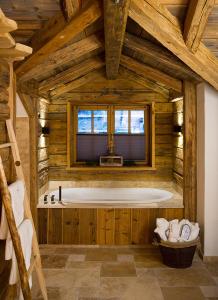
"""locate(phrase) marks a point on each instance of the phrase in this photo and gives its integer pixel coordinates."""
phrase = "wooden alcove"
(103, 52)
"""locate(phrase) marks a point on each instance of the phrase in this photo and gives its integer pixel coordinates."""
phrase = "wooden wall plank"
(87, 228)
(55, 226)
(123, 226)
(43, 225)
(190, 150)
(71, 225)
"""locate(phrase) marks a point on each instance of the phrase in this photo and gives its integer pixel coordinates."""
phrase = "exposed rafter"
(66, 57)
(147, 83)
(196, 21)
(115, 18)
(77, 82)
(157, 57)
(83, 19)
(152, 17)
(70, 8)
(151, 73)
(71, 74)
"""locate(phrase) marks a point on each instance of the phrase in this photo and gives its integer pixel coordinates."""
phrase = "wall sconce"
(178, 129)
(45, 130)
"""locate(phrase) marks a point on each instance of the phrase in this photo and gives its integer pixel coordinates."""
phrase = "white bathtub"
(121, 197)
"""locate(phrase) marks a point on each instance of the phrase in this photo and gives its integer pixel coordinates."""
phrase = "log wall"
(58, 138)
(4, 114)
(43, 143)
(178, 145)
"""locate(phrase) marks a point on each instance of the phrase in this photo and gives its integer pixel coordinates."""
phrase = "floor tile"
(54, 261)
(83, 264)
(71, 278)
(125, 257)
(183, 277)
(216, 280)
(118, 269)
(53, 293)
(212, 268)
(210, 291)
(101, 255)
(76, 257)
(148, 261)
(182, 293)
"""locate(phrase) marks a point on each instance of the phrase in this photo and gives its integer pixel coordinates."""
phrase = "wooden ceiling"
(31, 15)
(141, 39)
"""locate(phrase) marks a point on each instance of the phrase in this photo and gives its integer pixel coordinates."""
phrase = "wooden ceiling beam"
(157, 57)
(71, 74)
(147, 83)
(153, 19)
(78, 23)
(70, 8)
(115, 18)
(76, 83)
(67, 56)
(196, 21)
(6, 24)
(151, 73)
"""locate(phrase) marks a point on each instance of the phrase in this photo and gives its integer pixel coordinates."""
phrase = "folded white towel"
(25, 231)
(17, 197)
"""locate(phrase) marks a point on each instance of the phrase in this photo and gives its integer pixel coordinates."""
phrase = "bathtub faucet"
(60, 193)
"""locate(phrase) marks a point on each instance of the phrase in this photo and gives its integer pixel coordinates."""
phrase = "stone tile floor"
(122, 273)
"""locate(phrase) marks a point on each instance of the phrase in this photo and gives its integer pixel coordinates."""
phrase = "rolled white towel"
(162, 227)
(174, 231)
(194, 232)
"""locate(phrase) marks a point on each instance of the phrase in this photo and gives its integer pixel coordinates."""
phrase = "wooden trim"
(72, 131)
(98, 168)
(190, 151)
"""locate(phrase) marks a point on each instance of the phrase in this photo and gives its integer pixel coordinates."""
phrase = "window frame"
(149, 132)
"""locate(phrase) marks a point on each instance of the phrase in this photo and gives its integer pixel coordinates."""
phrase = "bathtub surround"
(208, 169)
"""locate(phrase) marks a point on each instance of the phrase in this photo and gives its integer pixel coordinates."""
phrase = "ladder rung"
(6, 145)
(32, 265)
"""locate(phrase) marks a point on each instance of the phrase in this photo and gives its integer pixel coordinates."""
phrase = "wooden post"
(190, 151)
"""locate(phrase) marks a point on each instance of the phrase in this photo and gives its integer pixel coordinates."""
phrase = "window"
(120, 130)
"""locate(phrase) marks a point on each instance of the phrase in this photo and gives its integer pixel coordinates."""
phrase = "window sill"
(98, 168)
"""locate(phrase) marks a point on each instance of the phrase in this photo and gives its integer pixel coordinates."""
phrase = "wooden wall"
(92, 226)
(23, 140)
(43, 142)
(4, 114)
(58, 136)
(178, 145)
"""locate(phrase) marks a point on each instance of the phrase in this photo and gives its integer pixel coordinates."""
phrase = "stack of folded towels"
(176, 231)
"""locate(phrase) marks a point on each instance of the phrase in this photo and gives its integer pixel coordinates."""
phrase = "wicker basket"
(178, 255)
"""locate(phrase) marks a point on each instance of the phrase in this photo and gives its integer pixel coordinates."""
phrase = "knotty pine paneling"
(101, 226)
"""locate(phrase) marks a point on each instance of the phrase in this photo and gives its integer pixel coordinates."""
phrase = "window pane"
(137, 121)
(121, 121)
(100, 121)
(84, 121)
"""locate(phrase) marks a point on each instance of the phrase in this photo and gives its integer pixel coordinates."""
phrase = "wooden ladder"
(6, 200)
